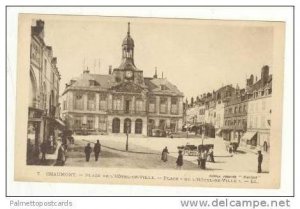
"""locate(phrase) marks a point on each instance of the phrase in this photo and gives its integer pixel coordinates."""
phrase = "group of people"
(47, 146)
(203, 157)
(179, 161)
(61, 154)
(88, 150)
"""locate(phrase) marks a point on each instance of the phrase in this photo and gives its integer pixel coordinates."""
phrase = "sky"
(198, 56)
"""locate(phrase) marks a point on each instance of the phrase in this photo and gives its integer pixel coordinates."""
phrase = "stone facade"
(123, 100)
(259, 110)
(235, 117)
(241, 116)
(44, 107)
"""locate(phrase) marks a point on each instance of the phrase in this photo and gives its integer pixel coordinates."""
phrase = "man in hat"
(259, 159)
(87, 151)
(97, 150)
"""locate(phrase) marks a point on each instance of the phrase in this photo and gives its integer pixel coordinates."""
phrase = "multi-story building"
(259, 95)
(192, 114)
(208, 128)
(235, 117)
(201, 112)
(207, 114)
(123, 101)
(222, 96)
(43, 111)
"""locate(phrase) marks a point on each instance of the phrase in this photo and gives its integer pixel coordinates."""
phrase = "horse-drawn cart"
(190, 150)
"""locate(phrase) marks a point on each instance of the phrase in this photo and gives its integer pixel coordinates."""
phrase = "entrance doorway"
(127, 125)
(138, 126)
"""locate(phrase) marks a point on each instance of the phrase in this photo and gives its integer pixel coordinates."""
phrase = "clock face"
(128, 74)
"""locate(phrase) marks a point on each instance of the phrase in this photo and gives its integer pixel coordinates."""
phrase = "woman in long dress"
(61, 156)
(179, 161)
(164, 154)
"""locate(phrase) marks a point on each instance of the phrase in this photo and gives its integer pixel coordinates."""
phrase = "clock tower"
(128, 47)
(127, 71)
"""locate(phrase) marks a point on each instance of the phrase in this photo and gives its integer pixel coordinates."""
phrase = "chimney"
(162, 74)
(255, 78)
(110, 70)
(155, 75)
(251, 80)
(40, 23)
(264, 75)
(40, 28)
(54, 61)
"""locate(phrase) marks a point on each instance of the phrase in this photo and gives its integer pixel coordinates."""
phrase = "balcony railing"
(127, 112)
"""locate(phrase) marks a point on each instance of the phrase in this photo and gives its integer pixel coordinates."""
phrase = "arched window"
(151, 125)
(127, 125)
(116, 125)
(138, 126)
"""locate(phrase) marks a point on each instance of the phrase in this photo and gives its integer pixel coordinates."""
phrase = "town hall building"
(123, 101)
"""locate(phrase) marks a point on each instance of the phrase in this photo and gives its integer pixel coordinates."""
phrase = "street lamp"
(127, 130)
(203, 134)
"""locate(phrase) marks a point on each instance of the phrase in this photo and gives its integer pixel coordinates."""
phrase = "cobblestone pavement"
(117, 157)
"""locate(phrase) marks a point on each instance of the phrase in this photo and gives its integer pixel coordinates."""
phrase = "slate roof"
(101, 82)
(154, 86)
(258, 85)
(106, 82)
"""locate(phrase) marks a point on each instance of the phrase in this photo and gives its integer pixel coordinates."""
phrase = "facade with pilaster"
(123, 101)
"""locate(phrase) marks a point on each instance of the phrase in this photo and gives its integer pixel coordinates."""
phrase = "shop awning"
(248, 135)
(60, 122)
(218, 131)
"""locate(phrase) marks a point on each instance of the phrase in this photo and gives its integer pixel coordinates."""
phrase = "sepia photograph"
(149, 101)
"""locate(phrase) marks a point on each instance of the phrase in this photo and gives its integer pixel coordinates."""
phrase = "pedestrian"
(199, 159)
(61, 155)
(203, 159)
(43, 150)
(164, 154)
(259, 159)
(30, 151)
(230, 149)
(97, 150)
(87, 151)
(211, 155)
(179, 161)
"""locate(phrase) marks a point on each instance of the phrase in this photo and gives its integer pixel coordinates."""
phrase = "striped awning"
(60, 122)
(248, 135)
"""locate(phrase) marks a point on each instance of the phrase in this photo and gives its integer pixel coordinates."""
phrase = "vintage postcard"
(149, 101)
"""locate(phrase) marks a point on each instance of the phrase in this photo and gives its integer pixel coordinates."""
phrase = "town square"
(121, 117)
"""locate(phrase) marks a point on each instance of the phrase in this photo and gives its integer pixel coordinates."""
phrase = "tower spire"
(128, 31)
